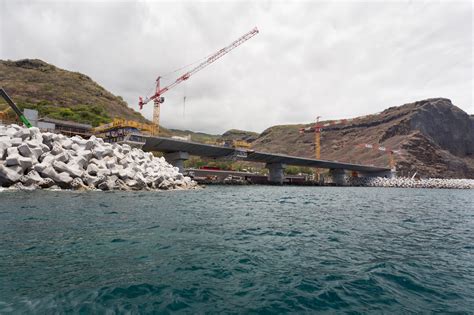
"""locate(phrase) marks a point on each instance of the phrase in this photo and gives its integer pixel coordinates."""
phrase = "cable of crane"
(184, 106)
(187, 66)
(165, 76)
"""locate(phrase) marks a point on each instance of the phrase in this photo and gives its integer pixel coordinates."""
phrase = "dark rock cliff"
(434, 138)
(447, 126)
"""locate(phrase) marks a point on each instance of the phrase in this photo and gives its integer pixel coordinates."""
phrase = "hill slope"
(435, 138)
(61, 94)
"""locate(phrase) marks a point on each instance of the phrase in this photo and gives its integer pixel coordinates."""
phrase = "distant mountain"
(435, 138)
(236, 134)
(195, 136)
(61, 94)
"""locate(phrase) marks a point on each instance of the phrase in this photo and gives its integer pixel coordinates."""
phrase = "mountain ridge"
(435, 137)
(443, 130)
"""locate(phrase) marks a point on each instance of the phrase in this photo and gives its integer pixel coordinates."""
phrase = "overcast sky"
(333, 59)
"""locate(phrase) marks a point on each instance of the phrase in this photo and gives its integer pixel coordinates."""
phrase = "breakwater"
(404, 182)
(30, 159)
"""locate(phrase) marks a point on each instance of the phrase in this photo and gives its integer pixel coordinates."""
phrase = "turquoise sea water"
(253, 249)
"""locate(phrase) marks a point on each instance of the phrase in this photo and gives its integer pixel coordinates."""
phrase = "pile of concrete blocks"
(405, 182)
(30, 159)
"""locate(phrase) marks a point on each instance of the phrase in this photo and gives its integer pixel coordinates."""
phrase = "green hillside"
(61, 94)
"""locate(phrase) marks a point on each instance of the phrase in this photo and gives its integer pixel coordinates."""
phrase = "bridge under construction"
(178, 151)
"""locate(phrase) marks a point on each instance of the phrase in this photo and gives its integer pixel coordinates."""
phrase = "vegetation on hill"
(236, 134)
(61, 94)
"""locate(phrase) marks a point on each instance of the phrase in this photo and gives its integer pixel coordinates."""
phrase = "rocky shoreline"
(404, 182)
(30, 159)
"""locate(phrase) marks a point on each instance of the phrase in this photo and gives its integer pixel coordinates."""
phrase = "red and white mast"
(158, 99)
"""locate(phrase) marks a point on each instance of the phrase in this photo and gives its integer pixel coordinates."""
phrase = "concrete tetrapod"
(405, 182)
(30, 159)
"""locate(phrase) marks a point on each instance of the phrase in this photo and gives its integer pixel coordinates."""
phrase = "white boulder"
(30, 159)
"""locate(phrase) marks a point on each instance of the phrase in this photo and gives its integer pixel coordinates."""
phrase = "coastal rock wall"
(30, 159)
(404, 182)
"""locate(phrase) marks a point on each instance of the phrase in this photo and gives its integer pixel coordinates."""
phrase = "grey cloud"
(335, 59)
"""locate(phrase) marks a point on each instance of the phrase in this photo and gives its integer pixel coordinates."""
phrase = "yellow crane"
(317, 128)
(317, 141)
(390, 152)
(317, 138)
(317, 144)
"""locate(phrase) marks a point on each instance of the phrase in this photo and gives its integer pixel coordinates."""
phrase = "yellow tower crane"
(317, 144)
(317, 141)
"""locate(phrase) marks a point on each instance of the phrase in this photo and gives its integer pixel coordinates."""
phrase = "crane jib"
(199, 67)
(211, 59)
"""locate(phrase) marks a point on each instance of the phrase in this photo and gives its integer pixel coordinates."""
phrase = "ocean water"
(238, 249)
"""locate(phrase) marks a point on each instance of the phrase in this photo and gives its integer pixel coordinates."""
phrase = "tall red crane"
(158, 99)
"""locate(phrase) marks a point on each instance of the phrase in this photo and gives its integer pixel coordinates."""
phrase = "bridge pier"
(276, 174)
(177, 159)
(338, 176)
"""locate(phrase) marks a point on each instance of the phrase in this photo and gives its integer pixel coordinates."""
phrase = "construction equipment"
(124, 131)
(317, 145)
(317, 141)
(236, 144)
(123, 123)
(15, 108)
(389, 151)
(317, 128)
(158, 99)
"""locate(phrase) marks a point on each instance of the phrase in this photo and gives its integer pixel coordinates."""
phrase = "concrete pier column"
(275, 175)
(177, 159)
(338, 176)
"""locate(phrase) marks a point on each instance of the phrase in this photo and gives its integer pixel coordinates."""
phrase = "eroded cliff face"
(447, 125)
(434, 137)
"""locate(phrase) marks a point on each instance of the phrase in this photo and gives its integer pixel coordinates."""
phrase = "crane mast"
(158, 99)
(317, 144)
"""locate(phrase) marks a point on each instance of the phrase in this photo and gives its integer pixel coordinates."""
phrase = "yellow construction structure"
(392, 160)
(124, 132)
(317, 144)
(241, 144)
(317, 139)
(119, 123)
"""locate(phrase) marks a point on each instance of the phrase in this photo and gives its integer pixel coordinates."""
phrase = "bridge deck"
(167, 145)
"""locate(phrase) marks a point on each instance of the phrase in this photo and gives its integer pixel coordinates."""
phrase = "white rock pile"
(30, 159)
(405, 182)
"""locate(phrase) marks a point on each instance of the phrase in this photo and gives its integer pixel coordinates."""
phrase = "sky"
(335, 59)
